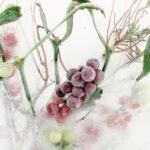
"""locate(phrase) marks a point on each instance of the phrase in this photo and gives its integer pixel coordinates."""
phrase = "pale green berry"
(68, 136)
(141, 91)
(143, 97)
(55, 136)
(142, 85)
(6, 70)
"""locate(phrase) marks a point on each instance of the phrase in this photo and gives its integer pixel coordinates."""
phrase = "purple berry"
(90, 88)
(66, 87)
(71, 72)
(76, 80)
(59, 93)
(94, 63)
(78, 92)
(99, 76)
(88, 74)
(73, 102)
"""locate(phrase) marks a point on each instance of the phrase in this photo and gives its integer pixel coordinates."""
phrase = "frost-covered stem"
(56, 52)
(55, 43)
(25, 85)
(19, 63)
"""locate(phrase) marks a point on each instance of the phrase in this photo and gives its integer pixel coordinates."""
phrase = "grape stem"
(108, 49)
(19, 63)
(56, 52)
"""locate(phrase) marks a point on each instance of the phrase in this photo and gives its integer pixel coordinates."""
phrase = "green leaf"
(1, 78)
(9, 15)
(43, 18)
(71, 7)
(6, 70)
(146, 61)
(82, 1)
(95, 96)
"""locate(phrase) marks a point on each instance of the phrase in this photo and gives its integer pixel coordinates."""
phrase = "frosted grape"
(76, 80)
(59, 93)
(65, 111)
(77, 91)
(99, 76)
(57, 100)
(73, 102)
(86, 96)
(66, 87)
(71, 72)
(52, 109)
(90, 88)
(94, 63)
(88, 74)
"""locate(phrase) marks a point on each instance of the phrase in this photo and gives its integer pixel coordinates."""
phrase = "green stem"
(108, 49)
(55, 43)
(108, 55)
(56, 51)
(20, 65)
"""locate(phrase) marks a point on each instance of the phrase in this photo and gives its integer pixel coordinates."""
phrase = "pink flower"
(118, 120)
(124, 100)
(104, 109)
(9, 39)
(13, 89)
(92, 129)
(135, 105)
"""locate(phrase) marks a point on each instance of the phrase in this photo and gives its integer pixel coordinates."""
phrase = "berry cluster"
(76, 91)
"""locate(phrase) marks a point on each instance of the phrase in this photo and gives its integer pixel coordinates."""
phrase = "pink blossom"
(124, 100)
(92, 129)
(118, 120)
(135, 105)
(9, 39)
(104, 109)
(13, 88)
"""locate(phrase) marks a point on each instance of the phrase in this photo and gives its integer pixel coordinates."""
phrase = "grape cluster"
(76, 90)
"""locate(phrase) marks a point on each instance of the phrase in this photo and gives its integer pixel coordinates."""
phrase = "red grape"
(86, 96)
(52, 109)
(59, 93)
(66, 87)
(90, 87)
(65, 111)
